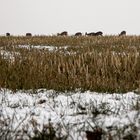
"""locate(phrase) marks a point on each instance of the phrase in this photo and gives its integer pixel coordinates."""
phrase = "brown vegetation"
(107, 63)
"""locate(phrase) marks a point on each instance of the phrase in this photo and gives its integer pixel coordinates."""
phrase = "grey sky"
(52, 16)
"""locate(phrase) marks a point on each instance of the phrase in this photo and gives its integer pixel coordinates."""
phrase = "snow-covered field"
(23, 114)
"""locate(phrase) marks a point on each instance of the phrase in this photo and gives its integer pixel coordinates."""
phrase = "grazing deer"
(95, 34)
(28, 34)
(7, 34)
(123, 33)
(90, 34)
(99, 33)
(78, 34)
(65, 33)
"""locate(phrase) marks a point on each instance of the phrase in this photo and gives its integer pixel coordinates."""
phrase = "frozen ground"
(22, 114)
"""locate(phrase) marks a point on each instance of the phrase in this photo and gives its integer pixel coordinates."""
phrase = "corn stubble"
(103, 64)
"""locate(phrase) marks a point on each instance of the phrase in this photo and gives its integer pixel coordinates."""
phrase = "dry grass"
(103, 64)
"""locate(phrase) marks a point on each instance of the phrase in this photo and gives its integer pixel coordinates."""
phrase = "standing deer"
(90, 34)
(7, 34)
(28, 34)
(94, 34)
(99, 33)
(65, 33)
(78, 34)
(123, 33)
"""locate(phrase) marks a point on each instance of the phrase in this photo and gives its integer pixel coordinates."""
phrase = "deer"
(90, 34)
(7, 34)
(65, 33)
(28, 34)
(99, 33)
(94, 34)
(78, 34)
(123, 33)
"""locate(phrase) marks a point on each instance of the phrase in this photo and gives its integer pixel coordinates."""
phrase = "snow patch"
(72, 111)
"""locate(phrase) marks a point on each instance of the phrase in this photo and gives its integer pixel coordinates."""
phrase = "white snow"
(71, 112)
(50, 48)
(9, 55)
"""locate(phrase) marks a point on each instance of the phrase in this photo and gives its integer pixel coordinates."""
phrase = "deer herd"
(65, 33)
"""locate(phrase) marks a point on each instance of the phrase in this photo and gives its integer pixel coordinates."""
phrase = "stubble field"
(103, 64)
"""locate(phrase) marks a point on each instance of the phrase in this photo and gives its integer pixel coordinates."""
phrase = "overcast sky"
(52, 16)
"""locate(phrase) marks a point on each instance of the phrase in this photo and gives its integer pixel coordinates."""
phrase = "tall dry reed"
(105, 64)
